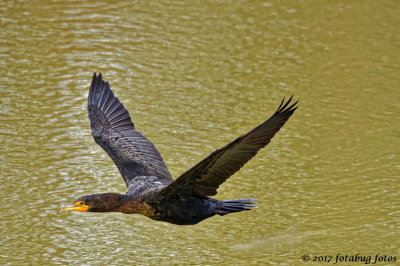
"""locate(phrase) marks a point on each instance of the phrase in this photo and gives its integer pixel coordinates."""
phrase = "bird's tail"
(238, 205)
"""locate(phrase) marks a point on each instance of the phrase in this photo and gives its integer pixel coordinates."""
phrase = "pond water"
(194, 77)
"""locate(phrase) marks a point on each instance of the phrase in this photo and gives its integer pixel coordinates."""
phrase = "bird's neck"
(129, 204)
(108, 202)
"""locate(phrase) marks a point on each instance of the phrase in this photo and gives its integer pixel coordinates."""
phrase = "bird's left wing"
(204, 178)
(113, 129)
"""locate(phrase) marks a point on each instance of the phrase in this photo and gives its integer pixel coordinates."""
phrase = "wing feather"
(204, 178)
(113, 129)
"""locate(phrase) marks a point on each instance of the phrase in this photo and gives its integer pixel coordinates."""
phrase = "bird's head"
(105, 202)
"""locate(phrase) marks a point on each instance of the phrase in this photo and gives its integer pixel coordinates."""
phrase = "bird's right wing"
(204, 178)
(113, 130)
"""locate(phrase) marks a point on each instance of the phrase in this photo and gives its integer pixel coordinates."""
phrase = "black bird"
(151, 189)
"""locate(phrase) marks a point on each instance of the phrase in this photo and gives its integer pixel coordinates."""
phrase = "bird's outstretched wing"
(112, 128)
(204, 178)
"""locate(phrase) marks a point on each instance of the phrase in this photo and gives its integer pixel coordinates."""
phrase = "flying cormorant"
(151, 189)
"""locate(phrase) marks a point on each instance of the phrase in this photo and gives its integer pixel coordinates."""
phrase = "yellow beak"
(73, 207)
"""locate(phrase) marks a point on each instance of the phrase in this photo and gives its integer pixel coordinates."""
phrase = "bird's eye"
(81, 203)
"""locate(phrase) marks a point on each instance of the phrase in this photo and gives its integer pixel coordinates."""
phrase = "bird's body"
(151, 191)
